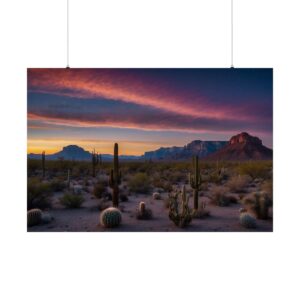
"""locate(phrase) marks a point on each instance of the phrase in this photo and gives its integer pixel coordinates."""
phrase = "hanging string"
(68, 34)
(232, 34)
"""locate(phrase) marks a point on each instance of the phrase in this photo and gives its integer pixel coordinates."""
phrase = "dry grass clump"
(258, 203)
(139, 183)
(202, 211)
(99, 190)
(267, 186)
(57, 185)
(218, 196)
(256, 169)
(71, 200)
(161, 182)
(38, 194)
(238, 183)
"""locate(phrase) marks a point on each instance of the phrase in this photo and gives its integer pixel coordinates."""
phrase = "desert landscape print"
(150, 150)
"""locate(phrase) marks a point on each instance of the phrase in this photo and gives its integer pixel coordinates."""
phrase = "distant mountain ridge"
(74, 152)
(242, 146)
(197, 147)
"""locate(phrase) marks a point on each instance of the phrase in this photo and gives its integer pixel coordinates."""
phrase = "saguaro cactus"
(115, 177)
(94, 162)
(43, 163)
(195, 180)
(69, 179)
(184, 217)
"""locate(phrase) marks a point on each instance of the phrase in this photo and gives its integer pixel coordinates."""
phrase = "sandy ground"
(87, 218)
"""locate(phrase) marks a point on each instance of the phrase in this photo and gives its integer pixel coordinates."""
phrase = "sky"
(145, 109)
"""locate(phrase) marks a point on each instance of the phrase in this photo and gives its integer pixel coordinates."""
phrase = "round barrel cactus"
(247, 220)
(34, 217)
(110, 217)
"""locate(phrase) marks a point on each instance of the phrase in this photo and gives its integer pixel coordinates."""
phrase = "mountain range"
(242, 146)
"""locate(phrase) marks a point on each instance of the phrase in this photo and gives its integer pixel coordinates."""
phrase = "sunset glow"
(145, 109)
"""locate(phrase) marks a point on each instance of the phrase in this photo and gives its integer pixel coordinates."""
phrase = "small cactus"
(111, 217)
(34, 217)
(156, 196)
(247, 220)
(143, 213)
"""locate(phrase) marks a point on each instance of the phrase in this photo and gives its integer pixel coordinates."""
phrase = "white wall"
(154, 33)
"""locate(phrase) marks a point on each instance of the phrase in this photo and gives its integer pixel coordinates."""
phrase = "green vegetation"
(71, 200)
(256, 169)
(139, 183)
(57, 185)
(38, 194)
(99, 190)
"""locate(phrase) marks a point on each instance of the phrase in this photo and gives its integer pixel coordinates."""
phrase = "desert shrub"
(162, 183)
(267, 187)
(177, 177)
(258, 203)
(218, 196)
(71, 200)
(232, 198)
(247, 220)
(204, 186)
(57, 185)
(139, 183)
(202, 211)
(38, 194)
(255, 169)
(99, 190)
(238, 183)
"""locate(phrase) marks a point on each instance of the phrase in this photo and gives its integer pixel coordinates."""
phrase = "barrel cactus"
(247, 220)
(111, 217)
(156, 196)
(143, 213)
(34, 217)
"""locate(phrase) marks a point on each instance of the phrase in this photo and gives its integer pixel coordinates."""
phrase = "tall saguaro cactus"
(115, 177)
(94, 162)
(195, 180)
(43, 163)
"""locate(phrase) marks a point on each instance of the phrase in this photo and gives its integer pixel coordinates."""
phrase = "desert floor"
(86, 218)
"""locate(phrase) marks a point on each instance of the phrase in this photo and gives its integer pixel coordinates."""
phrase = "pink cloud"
(115, 85)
